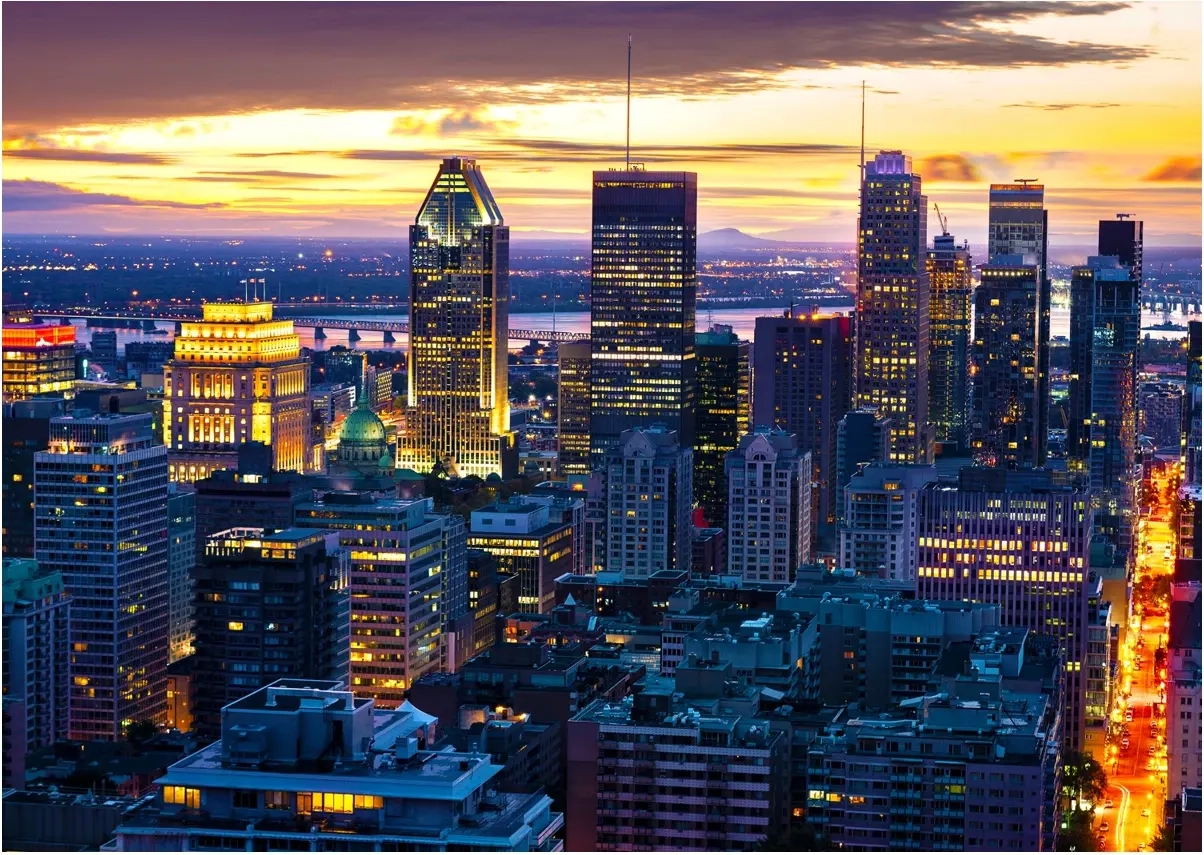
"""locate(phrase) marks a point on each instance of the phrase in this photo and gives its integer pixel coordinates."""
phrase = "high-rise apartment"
(643, 282)
(862, 436)
(722, 415)
(1105, 328)
(949, 267)
(36, 658)
(769, 506)
(573, 407)
(648, 503)
(39, 359)
(100, 495)
(238, 376)
(893, 304)
(181, 558)
(408, 564)
(1005, 426)
(1184, 707)
(270, 605)
(1016, 538)
(1018, 224)
(458, 406)
(803, 385)
(877, 535)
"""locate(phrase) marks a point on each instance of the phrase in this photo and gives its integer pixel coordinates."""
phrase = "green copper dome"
(363, 427)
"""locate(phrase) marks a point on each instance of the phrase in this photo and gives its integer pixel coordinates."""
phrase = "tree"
(1083, 779)
(141, 732)
(1076, 834)
(1164, 840)
(798, 837)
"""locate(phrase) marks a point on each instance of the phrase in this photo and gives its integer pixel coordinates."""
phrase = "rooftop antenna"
(628, 167)
(1123, 216)
(1024, 182)
(863, 131)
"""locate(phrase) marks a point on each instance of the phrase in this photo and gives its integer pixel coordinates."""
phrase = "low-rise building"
(528, 543)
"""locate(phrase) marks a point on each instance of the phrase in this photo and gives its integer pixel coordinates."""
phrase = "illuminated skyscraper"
(642, 291)
(893, 304)
(949, 348)
(573, 407)
(722, 415)
(237, 376)
(1018, 224)
(458, 408)
(39, 359)
(1005, 428)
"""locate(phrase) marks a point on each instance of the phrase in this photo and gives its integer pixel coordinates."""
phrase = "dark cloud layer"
(88, 156)
(1030, 105)
(73, 63)
(21, 196)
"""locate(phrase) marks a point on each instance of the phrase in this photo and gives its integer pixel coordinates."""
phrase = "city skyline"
(976, 94)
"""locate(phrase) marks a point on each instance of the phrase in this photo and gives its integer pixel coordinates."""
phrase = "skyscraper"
(573, 407)
(181, 558)
(39, 359)
(1018, 224)
(803, 385)
(100, 498)
(722, 415)
(769, 506)
(1005, 421)
(1124, 239)
(458, 407)
(238, 376)
(949, 268)
(893, 304)
(861, 437)
(642, 290)
(1105, 325)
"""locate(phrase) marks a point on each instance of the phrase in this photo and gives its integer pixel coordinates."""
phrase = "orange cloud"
(949, 167)
(1177, 169)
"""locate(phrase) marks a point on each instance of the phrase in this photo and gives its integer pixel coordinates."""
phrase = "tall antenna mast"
(863, 130)
(628, 101)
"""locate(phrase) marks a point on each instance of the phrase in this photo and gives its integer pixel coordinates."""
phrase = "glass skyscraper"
(458, 408)
(722, 415)
(949, 348)
(642, 291)
(1018, 224)
(892, 304)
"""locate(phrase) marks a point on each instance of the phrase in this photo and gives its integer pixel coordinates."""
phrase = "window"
(369, 802)
(332, 802)
(305, 803)
(182, 796)
(276, 800)
(246, 799)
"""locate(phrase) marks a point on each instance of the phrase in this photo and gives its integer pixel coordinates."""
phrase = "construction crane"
(944, 220)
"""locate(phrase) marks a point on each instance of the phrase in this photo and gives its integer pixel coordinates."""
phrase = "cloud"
(451, 123)
(949, 167)
(27, 195)
(1177, 169)
(157, 61)
(270, 173)
(80, 155)
(1031, 105)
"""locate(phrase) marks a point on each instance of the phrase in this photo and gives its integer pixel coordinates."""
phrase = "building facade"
(649, 501)
(181, 558)
(769, 506)
(26, 432)
(893, 304)
(573, 407)
(237, 376)
(643, 284)
(1184, 707)
(722, 415)
(458, 406)
(37, 626)
(101, 521)
(39, 359)
(862, 436)
(878, 535)
(527, 542)
(949, 269)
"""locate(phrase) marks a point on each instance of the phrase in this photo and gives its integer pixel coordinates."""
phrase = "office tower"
(803, 384)
(573, 407)
(1160, 413)
(643, 281)
(721, 415)
(589, 549)
(458, 406)
(1101, 438)
(527, 543)
(679, 808)
(1098, 680)
(25, 431)
(1184, 710)
(238, 376)
(181, 558)
(1018, 224)
(893, 304)
(769, 506)
(1190, 441)
(878, 534)
(230, 498)
(484, 582)
(36, 658)
(570, 509)
(648, 503)
(1005, 422)
(309, 763)
(39, 359)
(405, 562)
(268, 606)
(1123, 239)
(104, 351)
(949, 269)
(862, 436)
(100, 494)
(342, 365)
(146, 357)
(1015, 538)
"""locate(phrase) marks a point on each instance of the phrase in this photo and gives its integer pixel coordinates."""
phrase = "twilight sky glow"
(328, 119)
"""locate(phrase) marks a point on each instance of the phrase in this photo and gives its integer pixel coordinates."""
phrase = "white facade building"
(878, 534)
(769, 507)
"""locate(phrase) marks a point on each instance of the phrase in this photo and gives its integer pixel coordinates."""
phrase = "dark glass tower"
(1004, 426)
(802, 384)
(1018, 224)
(458, 412)
(573, 407)
(642, 290)
(892, 304)
(722, 415)
(949, 349)
(1123, 238)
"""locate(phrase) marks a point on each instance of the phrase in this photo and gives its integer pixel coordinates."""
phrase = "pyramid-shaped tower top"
(458, 202)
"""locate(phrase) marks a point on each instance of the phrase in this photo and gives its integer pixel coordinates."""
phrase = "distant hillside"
(727, 239)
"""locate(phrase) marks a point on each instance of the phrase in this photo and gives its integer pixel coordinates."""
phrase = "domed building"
(363, 446)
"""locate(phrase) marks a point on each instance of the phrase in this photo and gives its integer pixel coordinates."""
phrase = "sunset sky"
(329, 119)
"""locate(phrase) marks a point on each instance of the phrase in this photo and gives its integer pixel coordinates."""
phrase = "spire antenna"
(628, 101)
(863, 130)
